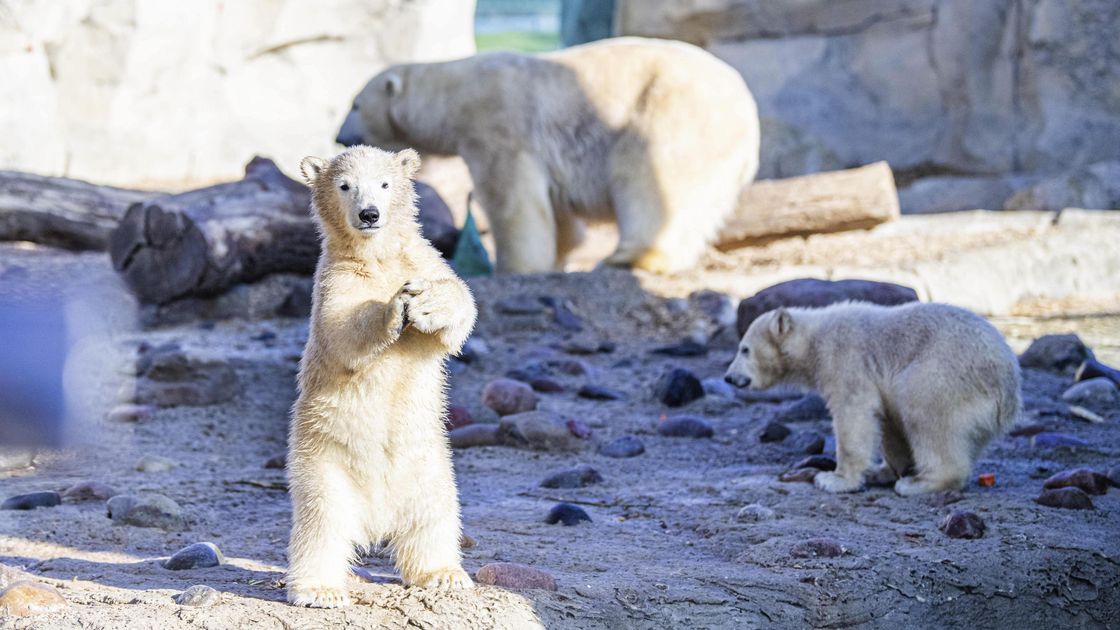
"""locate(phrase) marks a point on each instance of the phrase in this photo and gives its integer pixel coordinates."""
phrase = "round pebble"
(514, 575)
(686, 426)
(1067, 498)
(88, 491)
(578, 428)
(754, 513)
(278, 461)
(679, 387)
(625, 446)
(31, 501)
(567, 514)
(27, 598)
(155, 464)
(474, 435)
(578, 477)
(545, 385)
(507, 396)
(458, 416)
(146, 510)
(817, 548)
(198, 595)
(598, 392)
(774, 432)
(1098, 394)
(197, 556)
(540, 430)
(1083, 478)
(963, 524)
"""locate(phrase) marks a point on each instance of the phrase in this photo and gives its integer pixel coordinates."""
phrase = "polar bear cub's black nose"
(369, 215)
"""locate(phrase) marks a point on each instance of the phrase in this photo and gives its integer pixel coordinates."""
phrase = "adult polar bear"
(659, 135)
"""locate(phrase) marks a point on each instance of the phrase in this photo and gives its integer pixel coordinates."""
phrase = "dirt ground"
(665, 548)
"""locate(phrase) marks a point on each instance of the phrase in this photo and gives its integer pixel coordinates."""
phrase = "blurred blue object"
(470, 258)
(33, 350)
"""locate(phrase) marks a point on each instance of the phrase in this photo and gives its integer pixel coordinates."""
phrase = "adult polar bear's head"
(362, 191)
(377, 112)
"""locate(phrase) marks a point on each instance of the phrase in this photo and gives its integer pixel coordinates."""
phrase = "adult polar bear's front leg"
(514, 191)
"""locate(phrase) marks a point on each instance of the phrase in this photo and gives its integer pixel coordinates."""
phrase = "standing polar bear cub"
(933, 383)
(368, 456)
(659, 136)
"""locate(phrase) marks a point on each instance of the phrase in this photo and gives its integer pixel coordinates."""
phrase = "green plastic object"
(470, 259)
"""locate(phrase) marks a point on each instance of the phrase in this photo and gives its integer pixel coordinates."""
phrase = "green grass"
(518, 42)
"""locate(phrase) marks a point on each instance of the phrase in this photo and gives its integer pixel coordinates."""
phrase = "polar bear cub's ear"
(394, 84)
(311, 167)
(781, 324)
(409, 160)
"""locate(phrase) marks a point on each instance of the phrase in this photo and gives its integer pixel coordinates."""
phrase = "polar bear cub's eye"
(384, 184)
(345, 187)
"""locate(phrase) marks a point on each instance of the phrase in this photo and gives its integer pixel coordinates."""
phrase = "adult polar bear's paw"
(444, 579)
(832, 482)
(319, 597)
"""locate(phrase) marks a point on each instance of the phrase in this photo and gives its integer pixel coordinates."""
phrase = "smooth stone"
(805, 409)
(685, 348)
(473, 350)
(474, 435)
(466, 542)
(1083, 478)
(88, 491)
(963, 524)
(507, 396)
(945, 497)
(1068, 498)
(146, 510)
(1027, 430)
(277, 461)
(155, 464)
(562, 314)
(32, 500)
(1056, 440)
(1062, 354)
(545, 385)
(131, 413)
(807, 442)
(514, 575)
(27, 598)
(197, 556)
(679, 387)
(774, 432)
(198, 595)
(1098, 394)
(578, 477)
(567, 514)
(754, 513)
(799, 475)
(529, 372)
(519, 305)
(686, 426)
(819, 462)
(598, 392)
(817, 548)
(571, 367)
(579, 429)
(539, 430)
(717, 387)
(625, 446)
(457, 416)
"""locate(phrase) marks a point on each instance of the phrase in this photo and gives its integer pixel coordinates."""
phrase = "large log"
(61, 212)
(203, 242)
(835, 201)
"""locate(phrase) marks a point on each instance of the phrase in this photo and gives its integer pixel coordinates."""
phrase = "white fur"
(659, 136)
(369, 458)
(931, 384)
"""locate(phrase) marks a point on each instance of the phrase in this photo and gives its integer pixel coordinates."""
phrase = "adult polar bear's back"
(659, 135)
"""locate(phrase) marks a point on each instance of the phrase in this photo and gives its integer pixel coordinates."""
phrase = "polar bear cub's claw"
(445, 579)
(832, 482)
(319, 597)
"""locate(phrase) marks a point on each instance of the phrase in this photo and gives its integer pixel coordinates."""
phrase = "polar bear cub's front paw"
(444, 579)
(832, 482)
(319, 597)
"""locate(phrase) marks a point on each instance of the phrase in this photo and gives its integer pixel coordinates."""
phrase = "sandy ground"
(664, 548)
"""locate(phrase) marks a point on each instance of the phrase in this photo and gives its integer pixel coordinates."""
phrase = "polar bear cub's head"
(362, 191)
(765, 352)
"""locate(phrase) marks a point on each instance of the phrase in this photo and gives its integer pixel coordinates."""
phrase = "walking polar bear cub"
(659, 136)
(932, 383)
(368, 456)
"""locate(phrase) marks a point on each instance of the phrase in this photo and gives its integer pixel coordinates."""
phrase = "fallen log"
(204, 241)
(61, 212)
(834, 201)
